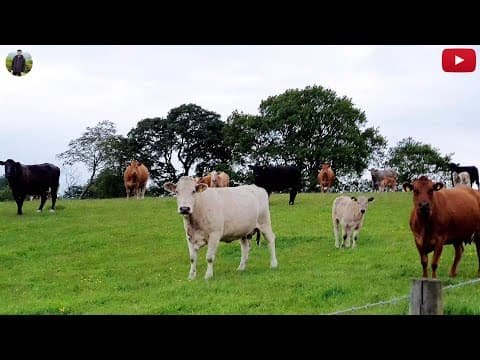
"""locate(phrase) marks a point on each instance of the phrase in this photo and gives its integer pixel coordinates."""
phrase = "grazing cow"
(224, 214)
(462, 179)
(135, 178)
(441, 217)
(348, 212)
(379, 175)
(278, 178)
(388, 182)
(325, 177)
(33, 180)
(472, 171)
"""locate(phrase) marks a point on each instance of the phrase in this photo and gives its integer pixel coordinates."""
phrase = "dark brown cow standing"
(441, 217)
(135, 178)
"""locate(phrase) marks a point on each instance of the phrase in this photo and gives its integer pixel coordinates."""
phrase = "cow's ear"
(371, 199)
(201, 187)
(353, 198)
(407, 186)
(437, 186)
(170, 187)
(2, 162)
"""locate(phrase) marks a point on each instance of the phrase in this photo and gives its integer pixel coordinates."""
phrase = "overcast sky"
(402, 89)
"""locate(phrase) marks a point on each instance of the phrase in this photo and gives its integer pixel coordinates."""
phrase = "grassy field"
(130, 257)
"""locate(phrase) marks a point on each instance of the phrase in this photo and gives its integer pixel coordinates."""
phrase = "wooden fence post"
(426, 297)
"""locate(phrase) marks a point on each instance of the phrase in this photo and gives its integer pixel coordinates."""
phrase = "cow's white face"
(363, 203)
(185, 190)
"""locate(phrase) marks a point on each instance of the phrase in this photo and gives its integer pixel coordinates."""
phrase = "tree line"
(301, 127)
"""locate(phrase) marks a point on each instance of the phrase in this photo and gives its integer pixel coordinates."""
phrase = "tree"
(91, 149)
(198, 137)
(5, 191)
(306, 128)
(412, 159)
(152, 142)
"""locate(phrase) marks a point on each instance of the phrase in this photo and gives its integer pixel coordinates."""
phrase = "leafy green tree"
(108, 184)
(198, 138)
(92, 149)
(5, 192)
(152, 142)
(306, 128)
(412, 159)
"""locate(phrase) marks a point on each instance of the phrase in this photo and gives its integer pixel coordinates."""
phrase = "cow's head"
(325, 166)
(362, 202)
(423, 191)
(12, 168)
(186, 188)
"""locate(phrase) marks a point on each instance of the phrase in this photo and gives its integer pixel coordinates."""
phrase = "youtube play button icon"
(459, 60)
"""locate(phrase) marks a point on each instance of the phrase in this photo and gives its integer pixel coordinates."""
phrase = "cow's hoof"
(274, 264)
(39, 210)
(192, 276)
(452, 275)
(52, 211)
(241, 268)
(208, 276)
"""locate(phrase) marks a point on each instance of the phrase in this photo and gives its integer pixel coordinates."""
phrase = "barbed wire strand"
(397, 299)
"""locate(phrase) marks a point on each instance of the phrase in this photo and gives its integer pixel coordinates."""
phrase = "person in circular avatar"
(18, 64)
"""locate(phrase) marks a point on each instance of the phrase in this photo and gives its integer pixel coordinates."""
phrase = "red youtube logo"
(458, 60)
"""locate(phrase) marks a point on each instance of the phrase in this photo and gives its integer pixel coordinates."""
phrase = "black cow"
(32, 180)
(278, 178)
(472, 171)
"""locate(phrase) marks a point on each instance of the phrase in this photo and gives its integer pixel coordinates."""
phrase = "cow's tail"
(257, 230)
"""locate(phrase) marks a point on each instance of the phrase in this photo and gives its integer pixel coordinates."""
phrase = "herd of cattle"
(213, 211)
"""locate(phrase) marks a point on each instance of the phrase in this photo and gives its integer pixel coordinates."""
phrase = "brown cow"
(442, 217)
(135, 178)
(215, 179)
(388, 182)
(220, 179)
(325, 177)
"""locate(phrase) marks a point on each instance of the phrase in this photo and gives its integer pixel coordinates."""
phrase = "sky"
(402, 89)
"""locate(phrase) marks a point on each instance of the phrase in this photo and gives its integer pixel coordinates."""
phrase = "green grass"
(130, 257)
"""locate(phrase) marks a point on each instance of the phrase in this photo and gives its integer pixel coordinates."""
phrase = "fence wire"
(397, 299)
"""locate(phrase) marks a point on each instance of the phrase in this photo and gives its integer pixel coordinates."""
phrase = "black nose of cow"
(185, 210)
(362, 211)
(424, 207)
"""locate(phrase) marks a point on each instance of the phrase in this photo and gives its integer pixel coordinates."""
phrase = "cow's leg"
(19, 200)
(213, 241)
(458, 255)
(54, 198)
(436, 256)
(127, 190)
(143, 191)
(347, 235)
(293, 193)
(355, 236)
(193, 251)
(43, 199)
(245, 242)
(266, 230)
(336, 226)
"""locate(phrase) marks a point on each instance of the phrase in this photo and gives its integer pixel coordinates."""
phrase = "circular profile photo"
(19, 62)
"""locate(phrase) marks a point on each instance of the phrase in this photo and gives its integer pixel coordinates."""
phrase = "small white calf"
(211, 215)
(348, 212)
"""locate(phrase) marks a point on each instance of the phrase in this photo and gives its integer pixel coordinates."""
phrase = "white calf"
(211, 215)
(348, 212)
(462, 178)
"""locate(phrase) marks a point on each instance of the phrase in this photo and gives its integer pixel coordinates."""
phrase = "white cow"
(348, 212)
(211, 215)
